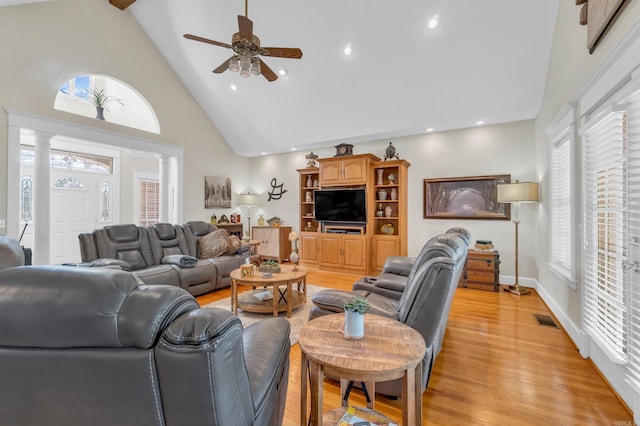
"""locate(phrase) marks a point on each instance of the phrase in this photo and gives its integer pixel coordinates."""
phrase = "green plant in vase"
(100, 100)
(354, 310)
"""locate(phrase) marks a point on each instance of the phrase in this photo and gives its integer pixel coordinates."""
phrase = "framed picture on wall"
(217, 192)
(474, 197)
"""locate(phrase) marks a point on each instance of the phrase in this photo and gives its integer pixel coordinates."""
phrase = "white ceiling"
(486, 60)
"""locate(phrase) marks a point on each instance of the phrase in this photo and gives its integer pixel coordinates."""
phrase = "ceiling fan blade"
(282, 52)
(267, 72)
(246, 27)
(206, 40)
(223, 67)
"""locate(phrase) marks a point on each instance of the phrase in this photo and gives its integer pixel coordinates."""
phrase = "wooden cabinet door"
(354, 252)
(330, 250)
(383, 247)
(354, 171)
(330, 172)
(309, 252)
(266, 236)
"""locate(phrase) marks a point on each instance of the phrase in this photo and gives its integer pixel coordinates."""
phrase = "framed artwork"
(474, 197)
(217, 192)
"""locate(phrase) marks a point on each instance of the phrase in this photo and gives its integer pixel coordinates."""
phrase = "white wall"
(479, 151)
(45, 44)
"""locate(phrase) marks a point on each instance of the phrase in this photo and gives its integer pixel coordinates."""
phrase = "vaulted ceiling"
(484, 61)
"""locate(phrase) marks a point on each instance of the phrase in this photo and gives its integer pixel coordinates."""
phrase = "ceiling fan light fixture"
(282, 71)
(433, 22)
(348, 50)
(245, 65)
(233, 64)
(255, 66)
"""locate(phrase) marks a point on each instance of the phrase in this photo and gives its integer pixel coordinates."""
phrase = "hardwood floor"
(497, 367)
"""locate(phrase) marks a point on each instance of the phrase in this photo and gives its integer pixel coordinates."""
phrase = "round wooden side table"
(279, 301)
(389, 350)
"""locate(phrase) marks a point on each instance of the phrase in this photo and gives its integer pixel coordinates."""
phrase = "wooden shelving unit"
(383, 235)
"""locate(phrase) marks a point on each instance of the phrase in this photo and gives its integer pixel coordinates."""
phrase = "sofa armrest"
(399, 265)
(110, 263)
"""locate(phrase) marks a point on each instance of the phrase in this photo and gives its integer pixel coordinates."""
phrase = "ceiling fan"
(246, 51)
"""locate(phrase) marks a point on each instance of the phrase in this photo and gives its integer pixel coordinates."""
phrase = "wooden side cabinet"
(274, 241)
(481, 270)
(232, 228)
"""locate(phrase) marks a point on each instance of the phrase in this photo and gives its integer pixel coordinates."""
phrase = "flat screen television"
(341, 205)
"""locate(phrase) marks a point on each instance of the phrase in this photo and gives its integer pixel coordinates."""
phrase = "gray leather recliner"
(11, 254)
(424, 303)
(89, 346)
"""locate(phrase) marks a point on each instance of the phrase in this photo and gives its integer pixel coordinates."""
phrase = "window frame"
(562, 130)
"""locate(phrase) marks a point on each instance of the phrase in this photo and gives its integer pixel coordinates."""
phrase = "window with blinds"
(605, 295)
(149, 204)
(632, 235)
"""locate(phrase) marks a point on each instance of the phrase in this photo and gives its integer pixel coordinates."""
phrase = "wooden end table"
(389, 350)
(282, 300)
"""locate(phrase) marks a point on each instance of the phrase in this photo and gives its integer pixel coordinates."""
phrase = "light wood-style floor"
(497, 367)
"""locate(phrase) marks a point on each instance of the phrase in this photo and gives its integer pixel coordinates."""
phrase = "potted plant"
(354, 310)
(98, 98)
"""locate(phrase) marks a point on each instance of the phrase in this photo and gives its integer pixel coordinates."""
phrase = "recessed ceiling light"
(348, 50)
(263, 153)
(282, 71)
(433, 22)
(293, 149)
(430, 129)
(479, 122)
(233, 87)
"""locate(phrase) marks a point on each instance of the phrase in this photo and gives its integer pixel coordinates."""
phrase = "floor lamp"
(248, 200)
(516, 193)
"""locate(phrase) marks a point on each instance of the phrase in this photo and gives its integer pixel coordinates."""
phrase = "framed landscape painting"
(474, 197)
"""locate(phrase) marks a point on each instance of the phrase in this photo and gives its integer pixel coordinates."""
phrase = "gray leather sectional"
(92, 346)
(161, 254)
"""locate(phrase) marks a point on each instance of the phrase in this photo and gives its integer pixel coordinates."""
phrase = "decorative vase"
(353, 324)
(379, 212)
(100, 113)
(382, 195)
(394, 194)
(387, 229)
(388, 211)
(294, 257)
(260, 221)
(392, 178)
(309, 181)
(380, 172)
(307, 196)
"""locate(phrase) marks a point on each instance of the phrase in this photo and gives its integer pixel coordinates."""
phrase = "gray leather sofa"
(423, 304)
(90, 346)
(161, 254)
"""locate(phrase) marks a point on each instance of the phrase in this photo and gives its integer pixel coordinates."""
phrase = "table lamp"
(248, 200)
(516, 193)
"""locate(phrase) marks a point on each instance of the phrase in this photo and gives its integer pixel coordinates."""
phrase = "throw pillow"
(213, 244)
(234, 244)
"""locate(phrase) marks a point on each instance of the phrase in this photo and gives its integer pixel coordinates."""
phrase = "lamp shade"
(518, 192)
(248, 199)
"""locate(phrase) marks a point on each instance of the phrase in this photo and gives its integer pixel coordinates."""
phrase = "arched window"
(122, 104)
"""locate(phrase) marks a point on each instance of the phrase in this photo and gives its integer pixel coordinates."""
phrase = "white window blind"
(149, 210)
(561, 206)
(632, 274)
(605, 297)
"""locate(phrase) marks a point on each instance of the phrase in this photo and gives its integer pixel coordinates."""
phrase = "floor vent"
(545, 320)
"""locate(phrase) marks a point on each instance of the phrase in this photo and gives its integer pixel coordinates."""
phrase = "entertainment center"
(353, 213)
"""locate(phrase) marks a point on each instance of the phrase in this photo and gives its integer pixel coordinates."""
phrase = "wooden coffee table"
(282, 300)
(389, 350)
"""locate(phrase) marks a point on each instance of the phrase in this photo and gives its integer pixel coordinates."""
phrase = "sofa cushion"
(234, 245)
(133, 258)
(213, 244)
